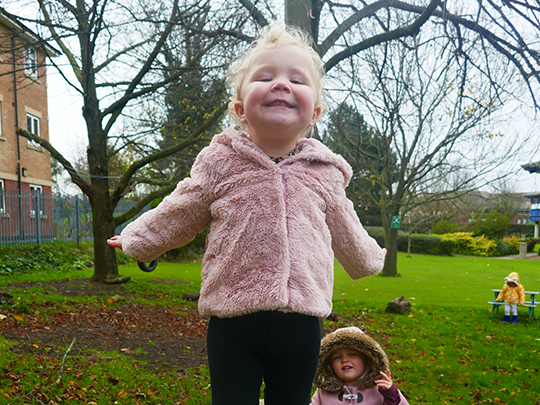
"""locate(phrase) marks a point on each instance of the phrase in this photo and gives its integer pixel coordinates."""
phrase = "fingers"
(386, 381)
(115, 242)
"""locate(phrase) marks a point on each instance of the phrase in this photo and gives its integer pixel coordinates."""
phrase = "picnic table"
(530, 304)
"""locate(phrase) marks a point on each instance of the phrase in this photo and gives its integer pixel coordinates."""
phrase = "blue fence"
(33, 218)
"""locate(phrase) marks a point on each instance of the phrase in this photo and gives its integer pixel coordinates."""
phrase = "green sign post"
(396, 221)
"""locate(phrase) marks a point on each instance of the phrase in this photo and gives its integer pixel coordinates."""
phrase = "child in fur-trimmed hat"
(352, 369)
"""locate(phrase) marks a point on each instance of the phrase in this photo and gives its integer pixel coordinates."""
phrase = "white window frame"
(34, 189)
(30, 62)
(33, 125)
(2, 197)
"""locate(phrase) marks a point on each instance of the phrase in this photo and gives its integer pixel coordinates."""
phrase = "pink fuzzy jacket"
(274, 228)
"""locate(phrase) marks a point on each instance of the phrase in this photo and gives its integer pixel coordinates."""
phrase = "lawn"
(448, 350)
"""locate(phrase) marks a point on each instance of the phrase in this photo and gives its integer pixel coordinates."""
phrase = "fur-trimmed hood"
(326, 378)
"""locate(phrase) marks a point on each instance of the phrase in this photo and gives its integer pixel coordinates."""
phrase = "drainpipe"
(15, 101)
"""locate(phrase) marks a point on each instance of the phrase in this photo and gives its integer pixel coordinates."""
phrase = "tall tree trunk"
(297, 12)
(103, 227)
(390, 262)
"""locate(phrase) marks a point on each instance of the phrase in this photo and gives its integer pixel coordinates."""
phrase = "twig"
(64, 360)
(32, 394)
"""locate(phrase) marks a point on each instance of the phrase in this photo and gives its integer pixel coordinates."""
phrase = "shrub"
(513, 243)
(428, 244)
(467, 244)
(444, 226)
(494, 225)
(59, 257)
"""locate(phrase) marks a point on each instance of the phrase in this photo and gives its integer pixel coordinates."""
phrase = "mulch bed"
(171, 337)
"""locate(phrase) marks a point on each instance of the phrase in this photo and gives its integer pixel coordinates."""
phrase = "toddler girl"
(353, 369)
(513, 295)
(277, 213)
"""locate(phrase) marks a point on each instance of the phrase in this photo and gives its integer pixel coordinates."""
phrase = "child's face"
(278, 95)
(511, 284)
(348, 364)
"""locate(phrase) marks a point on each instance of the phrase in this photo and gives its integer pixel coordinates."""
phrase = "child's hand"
(115, 242)
(386, 381)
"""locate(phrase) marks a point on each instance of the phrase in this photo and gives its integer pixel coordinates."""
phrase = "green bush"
(467, 244)
(60, 256)
(531, 243)
(428, 244)
(444, 226)
(494, 225)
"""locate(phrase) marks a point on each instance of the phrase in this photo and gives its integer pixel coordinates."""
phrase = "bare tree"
(115, 50)
(438, 120)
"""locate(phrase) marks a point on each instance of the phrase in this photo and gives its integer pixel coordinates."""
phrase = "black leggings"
(281, 348)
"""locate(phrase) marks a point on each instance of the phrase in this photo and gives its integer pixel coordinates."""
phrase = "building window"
(30, 62)
(32, 124)
(36, 190)
(0, 119)
(519, 221)
(2, 197)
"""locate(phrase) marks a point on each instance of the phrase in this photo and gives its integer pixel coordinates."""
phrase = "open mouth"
(279, 103)
(347, 368)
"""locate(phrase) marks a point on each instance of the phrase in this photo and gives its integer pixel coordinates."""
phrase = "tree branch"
(75, 177)
(408, 30)
(130, 171)
(254, 12)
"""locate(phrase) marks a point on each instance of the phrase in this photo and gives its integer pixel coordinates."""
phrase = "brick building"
(24, 167)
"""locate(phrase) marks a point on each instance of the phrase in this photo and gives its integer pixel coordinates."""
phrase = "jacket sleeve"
(521, 295)
(501, 295)
(356, 251)
(393, 396)
(172, 224)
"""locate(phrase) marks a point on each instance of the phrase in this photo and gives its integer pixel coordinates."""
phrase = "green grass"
(448, 350)
(438, 280)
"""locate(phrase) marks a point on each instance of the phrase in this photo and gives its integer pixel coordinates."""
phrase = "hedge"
(425, 244)
(454, 243)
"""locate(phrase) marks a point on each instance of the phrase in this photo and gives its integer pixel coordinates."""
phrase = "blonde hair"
(273, 36)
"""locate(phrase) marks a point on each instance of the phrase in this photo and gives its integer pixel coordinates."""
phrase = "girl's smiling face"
(278, 97)
(348, 364)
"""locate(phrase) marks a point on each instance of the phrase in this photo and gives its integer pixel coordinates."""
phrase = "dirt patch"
(172, 337)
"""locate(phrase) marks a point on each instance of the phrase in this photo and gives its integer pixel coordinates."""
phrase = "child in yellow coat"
(513, 295)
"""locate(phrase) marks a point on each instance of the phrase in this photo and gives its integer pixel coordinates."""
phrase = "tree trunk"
(390, 263)
(103, 227)
(297, 12)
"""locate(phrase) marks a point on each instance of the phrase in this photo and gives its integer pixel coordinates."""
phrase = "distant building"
(24, 166)
(460, 210)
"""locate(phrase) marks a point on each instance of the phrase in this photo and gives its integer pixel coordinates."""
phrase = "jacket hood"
(310, 150)
(326, 378)
(512, 278)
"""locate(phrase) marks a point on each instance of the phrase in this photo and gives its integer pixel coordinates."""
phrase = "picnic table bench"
(528, 304)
